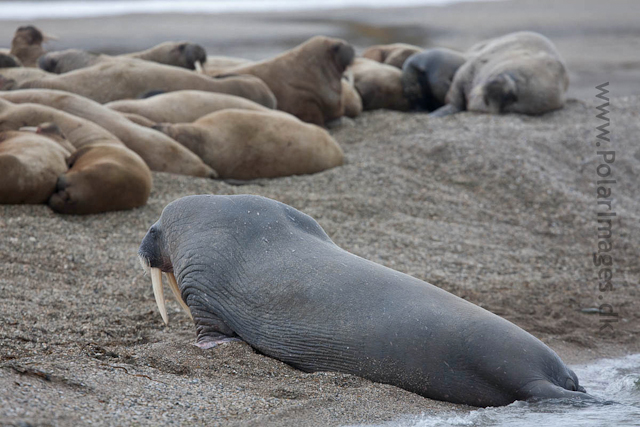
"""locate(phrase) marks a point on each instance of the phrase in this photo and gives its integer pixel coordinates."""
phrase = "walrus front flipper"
(445, 110)
(543, 389)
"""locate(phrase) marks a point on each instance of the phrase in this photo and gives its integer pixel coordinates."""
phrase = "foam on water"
(14, 10)
(615, 381)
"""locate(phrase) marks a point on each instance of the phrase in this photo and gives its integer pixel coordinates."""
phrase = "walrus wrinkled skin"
(427, 77)
(252, 268)
(30, 165)
(102, 178)
(391, 54)
(133, 78)
(221, 64)
(244, 144)
(379, 85)
(517, 73)
(179, 54)
(183, 106)
(306, 80)
(159, 152)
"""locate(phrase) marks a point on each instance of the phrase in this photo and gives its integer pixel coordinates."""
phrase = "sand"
(499, 210)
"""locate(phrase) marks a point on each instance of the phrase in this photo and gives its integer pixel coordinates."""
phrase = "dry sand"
(499, 210)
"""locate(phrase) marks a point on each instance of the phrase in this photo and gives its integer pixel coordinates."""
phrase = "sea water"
(614, 381)
(52, 9)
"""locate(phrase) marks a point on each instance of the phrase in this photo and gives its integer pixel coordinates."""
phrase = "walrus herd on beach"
(83, 131)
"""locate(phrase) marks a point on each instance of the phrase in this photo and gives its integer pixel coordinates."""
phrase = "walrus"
(182, 106)
(159, 152)
(427, 77)
(113, 80)
(27, 45)
(179, 54)
(7, 60)
(379, 85)
(306, 80)
(245, 144)
(517, 73)
(30, 164)
(102, 178)
(251, 268)
(394, 54)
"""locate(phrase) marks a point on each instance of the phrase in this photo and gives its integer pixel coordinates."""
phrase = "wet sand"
(499, 210)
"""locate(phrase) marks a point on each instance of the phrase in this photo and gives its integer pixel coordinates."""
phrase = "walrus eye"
(570, 385)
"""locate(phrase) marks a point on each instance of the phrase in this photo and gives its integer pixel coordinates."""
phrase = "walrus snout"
(193, 53)
(500, 92)
(344, 54)
(48, 63)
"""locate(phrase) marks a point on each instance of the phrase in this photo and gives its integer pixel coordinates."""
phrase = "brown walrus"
(179, 54)
(306, 80)
(31, 164)
(134, 78)
(101, 178)
(159, 152)
(379, 85)
(517, 73)
(27, 45)
(245, 144)
(183, 106)
(391, 54)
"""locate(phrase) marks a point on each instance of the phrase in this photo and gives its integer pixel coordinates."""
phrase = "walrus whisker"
(158, 292)
(173, 284)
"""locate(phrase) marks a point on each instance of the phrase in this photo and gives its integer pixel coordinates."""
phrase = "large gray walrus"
(517, 73)
(159, 152)
(427, 77)
(252, 268)
(135, 78)
(179, 54)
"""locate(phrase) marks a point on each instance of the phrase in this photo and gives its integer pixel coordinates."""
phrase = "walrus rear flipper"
(445, 110)
(543, 389)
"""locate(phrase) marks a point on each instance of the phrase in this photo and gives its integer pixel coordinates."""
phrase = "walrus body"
(159, 152)
(183, 106)
(243, 144)
(427, 77)
(134, 78)
(221, 64)
(516, 73)
(178, 54)
(11, 78)
(391, 54)
(306, 80)
(30, 165)
(379, 85)
(101, 178)
(257, 269)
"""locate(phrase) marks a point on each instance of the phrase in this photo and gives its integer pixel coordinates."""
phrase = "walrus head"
(28, 35)
(192, 54)
(343, 54)
(66, 60)
(500, 92)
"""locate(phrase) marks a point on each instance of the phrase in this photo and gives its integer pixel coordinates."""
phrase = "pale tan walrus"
(134, 78)
(31, 164)
(379, 85)
(391, 54)
(183, 106)
(12, 77)
(245, 144)
(159, 152)
(517, 73)
(101, 178)
(179, 54)
(306, 80)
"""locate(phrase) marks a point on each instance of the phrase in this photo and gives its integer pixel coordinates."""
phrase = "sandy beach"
(499, 210)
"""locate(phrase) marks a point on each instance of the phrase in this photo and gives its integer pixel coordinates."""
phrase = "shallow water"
(14, 10)
(615, 381)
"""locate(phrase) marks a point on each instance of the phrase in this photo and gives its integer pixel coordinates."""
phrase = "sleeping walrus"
(379, 85)
(391, 54)
(245, 144)
(517, 73)
(306, 80)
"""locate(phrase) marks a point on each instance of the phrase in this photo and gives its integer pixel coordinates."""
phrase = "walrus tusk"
(199, 68)
(156, 280)
(29, 129)
(173, 284)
